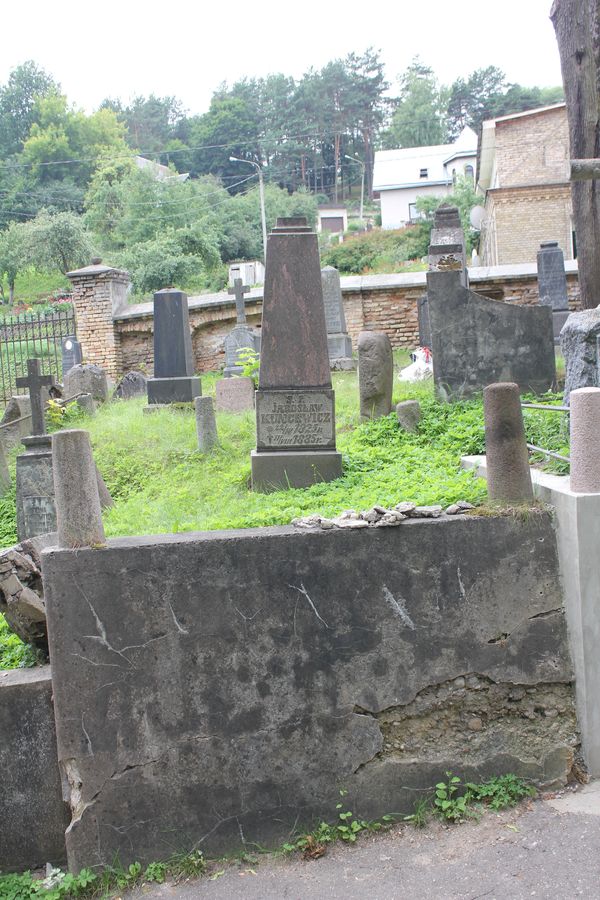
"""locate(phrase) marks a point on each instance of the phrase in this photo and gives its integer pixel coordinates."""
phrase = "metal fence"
(29, 335)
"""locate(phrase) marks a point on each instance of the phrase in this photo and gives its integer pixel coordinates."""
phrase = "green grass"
(33, 286)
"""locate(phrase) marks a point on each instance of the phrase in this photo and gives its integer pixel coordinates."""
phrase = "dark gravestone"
(71, 353)
(424, 324)
(552, 284)
(477, 341)
(36, 513)
(174, 380)
(134, 384)
(295, 415)
(339, 343)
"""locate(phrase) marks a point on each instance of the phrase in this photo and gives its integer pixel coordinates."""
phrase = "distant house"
(332, 217)
(160, 172)
(523, 171)
(402, 176)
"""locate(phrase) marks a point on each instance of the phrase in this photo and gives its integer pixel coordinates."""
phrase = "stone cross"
(35, 382)
(239, 290)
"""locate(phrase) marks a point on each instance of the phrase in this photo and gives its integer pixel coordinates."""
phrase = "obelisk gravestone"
(295, 413)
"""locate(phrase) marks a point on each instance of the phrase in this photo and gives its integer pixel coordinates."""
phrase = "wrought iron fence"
(29, 335)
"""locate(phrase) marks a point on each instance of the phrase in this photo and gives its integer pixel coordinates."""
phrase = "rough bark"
(577, 27)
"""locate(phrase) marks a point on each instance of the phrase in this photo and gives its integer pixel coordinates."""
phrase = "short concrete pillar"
(585, 440)
(508, 475)
(78, 514)
(206, 424)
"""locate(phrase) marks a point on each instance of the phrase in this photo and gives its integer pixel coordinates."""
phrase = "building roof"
(402, 168)
(487, 147)
(160, 172)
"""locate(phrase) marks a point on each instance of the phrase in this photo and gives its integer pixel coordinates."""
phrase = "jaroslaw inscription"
(295, 420)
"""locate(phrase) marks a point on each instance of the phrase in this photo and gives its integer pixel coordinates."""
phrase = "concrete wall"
(219, 689)
(33, 816)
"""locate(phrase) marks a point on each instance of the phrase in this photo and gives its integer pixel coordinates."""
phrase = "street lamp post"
(261, 188)
(362, 183)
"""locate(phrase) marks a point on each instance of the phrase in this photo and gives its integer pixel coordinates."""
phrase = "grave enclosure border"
(119, 337)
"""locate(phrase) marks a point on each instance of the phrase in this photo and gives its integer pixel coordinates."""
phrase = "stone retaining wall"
(219, 689)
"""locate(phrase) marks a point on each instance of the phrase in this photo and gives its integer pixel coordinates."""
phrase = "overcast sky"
(120, 48)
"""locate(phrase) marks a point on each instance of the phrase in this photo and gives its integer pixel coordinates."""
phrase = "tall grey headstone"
(36, 513)
(174, 380)
(552, 284)
(295, 413)
(447, 252)
(339, 343)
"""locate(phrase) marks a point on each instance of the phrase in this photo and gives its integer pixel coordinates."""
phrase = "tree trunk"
(577, 27)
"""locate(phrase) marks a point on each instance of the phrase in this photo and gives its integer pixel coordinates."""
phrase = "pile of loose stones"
(380, 517)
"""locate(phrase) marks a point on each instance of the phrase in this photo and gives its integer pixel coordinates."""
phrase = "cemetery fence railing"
(29, 335)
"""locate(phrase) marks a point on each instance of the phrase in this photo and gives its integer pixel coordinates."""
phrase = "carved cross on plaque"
(239, 290)
(35, 382)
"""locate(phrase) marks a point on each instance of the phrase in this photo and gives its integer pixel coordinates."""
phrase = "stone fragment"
(585, 440)
(375, 374)
(78, 512)
(426, 512)
(508, 474)
(409, 414)
(348, 514)
(341, 522)
(373, 515)
(86, 379)
(235, 394)
(391, 517)
(475, 724)
(133, 384)
(17, 419)
(453, 509)
(464, 505)
(206, 424)
(86, 404)
(21, 591)
(405, 507)
(579, 344)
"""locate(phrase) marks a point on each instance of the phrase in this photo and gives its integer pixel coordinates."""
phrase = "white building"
(332, 217)
(160, 172)
(402, 176)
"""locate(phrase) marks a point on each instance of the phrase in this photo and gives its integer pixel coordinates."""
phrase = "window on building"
(413, 213)
(469, 172)
(423, 173)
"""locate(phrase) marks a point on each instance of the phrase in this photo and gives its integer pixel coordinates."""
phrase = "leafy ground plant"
(455, 801)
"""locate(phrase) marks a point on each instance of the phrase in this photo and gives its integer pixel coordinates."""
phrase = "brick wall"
(390, 307)
(98, 292)
(532, 149)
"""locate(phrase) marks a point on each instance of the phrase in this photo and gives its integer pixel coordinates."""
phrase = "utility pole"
(261, 190)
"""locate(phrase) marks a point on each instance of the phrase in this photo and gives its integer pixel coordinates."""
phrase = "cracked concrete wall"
(33, 816)
(220, 688)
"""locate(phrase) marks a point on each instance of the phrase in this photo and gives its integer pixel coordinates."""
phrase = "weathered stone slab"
(409, 414)
(71, 353)
(447, 249)
(477, 341)
(193, 710)
(17, 418)
(36, 513)
(87, 379)
(375, 374)
(333, 302)
(552, 279)
(241, 337)
(295, 420)
(206, 424)
(34, 816)
(235, 394)
(579, 344)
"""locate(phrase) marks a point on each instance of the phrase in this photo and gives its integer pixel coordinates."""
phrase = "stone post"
(508, 475)
(585, 440)
(78, 514)
(375, 374)
(99, 295)
(206, 425)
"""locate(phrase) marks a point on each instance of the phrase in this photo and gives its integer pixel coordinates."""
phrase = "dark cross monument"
(295, 413)
(174, 380)
(36, 512)
(242, 336)
(239, 290)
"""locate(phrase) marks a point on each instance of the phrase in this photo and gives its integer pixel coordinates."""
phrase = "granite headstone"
(579, 340)
(295, 414)
(375, 374)
(339, 343)
(552, 284)
(447, 252)
(71, 353)
(174, 380)
(242, 336)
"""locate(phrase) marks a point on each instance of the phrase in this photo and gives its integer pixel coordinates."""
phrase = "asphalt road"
(545, 849)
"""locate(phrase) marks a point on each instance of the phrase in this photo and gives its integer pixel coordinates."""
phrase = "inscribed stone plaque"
(296, 420)
(39, 515)
(333, 301)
